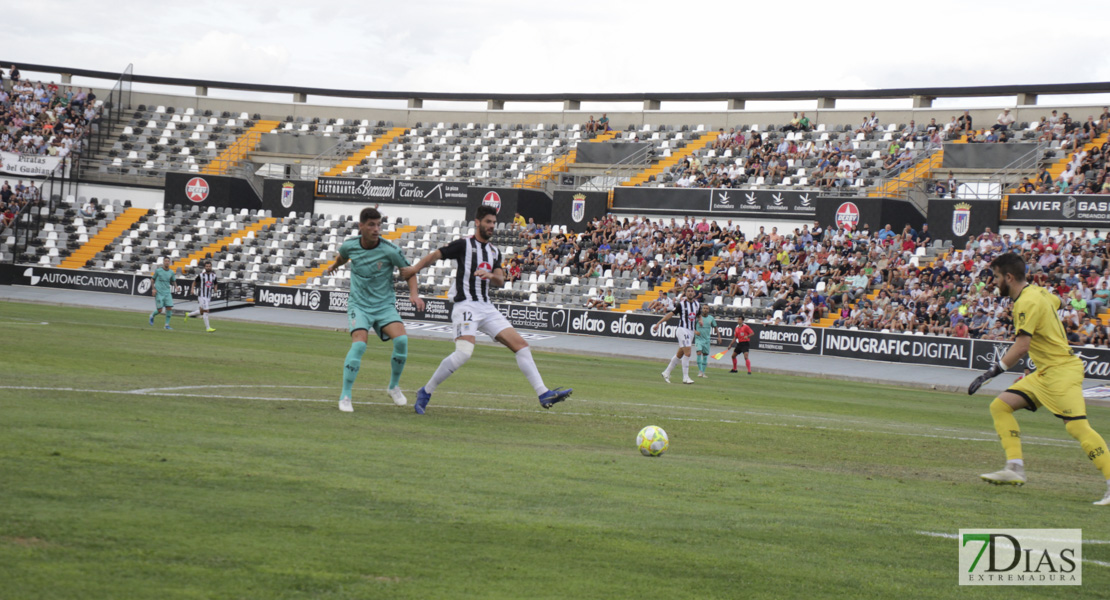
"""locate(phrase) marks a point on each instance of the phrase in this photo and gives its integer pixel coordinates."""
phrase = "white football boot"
(345, 404)
(1011, 475)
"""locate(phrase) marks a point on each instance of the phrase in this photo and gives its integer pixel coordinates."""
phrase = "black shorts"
(741, 348)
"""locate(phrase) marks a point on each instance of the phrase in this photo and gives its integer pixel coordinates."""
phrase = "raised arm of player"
(410, 272)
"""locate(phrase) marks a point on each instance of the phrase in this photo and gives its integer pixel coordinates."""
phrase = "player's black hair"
(206, 263)
(484, 210)
(369, 213)
(1011, 263)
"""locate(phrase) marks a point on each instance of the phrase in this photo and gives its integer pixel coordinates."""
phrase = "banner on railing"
(75, 279)
(28, 165)
(181, 288)
(104, 281)
(392, 191)
(721, 202)
(220, 191)
(1078, 209)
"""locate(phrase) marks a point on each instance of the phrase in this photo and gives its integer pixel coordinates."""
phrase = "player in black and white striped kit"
(687, 309)
(479, 267)
(203, 287)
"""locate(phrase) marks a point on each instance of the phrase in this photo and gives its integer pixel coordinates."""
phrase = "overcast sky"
(573, 45)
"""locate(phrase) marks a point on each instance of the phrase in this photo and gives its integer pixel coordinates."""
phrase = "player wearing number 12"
(706, 326)
(479, 271)
(372, 304)
(1057, 384)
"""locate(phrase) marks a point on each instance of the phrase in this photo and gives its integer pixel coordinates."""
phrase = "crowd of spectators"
(44, 118)
(956, 296)
(741, 157)
(14, 197)
(1085, 173)
(747, 157)
(867, 280)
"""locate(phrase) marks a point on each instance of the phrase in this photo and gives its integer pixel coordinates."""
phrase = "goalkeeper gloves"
(995, 370)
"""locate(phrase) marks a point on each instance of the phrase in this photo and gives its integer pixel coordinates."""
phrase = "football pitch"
(142, 463)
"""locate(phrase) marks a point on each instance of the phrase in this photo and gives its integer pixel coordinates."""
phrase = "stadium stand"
(883, 281)
(41, 119)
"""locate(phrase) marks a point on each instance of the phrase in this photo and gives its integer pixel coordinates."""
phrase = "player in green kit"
(372, 304)
(162, 290)
(706, 325)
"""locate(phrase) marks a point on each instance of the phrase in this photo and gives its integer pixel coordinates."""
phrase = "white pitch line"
(170, 393)
(952, 536)
(1029, 439)
(204, 387)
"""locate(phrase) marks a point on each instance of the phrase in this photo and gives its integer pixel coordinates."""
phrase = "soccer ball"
(652, 441)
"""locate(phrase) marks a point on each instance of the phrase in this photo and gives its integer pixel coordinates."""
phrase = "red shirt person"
(742, 336)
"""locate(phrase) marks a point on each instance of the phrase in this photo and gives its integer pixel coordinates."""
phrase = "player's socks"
(528, 367)
(748, 364)
(448, 365)
(196, 313)
(1007, 427)
(1093, 444)
(351, 366)
(670, 366)
(685, 367)
(168, 315)
(734, 365)
(400, 355)
(703, 362)
(206, 325)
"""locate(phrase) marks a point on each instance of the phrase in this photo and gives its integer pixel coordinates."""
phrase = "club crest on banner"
(492, 199)
(578, 207)
(961, 219)
(196, 189)
(847, 216)
(287, 194)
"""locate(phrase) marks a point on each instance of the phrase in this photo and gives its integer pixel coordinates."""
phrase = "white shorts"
(202, 302)
(684, 336)
(470, 317)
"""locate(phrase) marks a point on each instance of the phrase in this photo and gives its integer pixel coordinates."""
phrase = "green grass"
(774, 486)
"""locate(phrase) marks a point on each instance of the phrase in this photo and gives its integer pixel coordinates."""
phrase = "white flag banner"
(28, 165)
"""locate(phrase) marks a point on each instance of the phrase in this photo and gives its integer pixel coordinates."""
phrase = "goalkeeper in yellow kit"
(1056, 384)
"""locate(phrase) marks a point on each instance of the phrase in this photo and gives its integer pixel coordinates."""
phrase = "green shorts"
(701, 347)
(163, 300)
(358, 318)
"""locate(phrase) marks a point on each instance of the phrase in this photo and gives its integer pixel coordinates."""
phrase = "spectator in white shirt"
(1005, 120)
